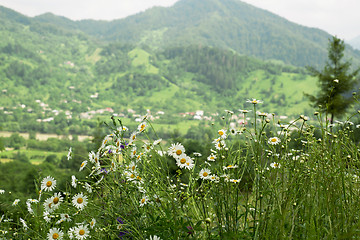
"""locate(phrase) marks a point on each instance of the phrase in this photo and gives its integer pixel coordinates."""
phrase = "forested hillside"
(55, 77)
(228, 24)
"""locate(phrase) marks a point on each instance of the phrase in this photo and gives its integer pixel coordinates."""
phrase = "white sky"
(337, 17)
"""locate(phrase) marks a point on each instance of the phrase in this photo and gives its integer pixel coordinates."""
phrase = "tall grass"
(265, 180)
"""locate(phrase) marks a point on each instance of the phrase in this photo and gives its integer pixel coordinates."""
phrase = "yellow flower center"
(82, 232)
(134, 152)
(143, 200)
(212, 157)
(82, 164)
(138, 178)
(178, 152)
(56, 200)
(55, 236)
(133, 168)
(188, 164)
(183, 160)
(230, 166)
(96, 159)
(92, 223)
(133, 137)
(80, 200)
(132, 175)
(48, 183)
(273, 139)
(221, 133)
(205, 174)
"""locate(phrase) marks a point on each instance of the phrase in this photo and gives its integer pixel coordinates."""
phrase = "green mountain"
(55, 76)
(228, 24)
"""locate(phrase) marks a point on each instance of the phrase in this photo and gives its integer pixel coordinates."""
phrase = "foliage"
(336, 82)
(250, 184)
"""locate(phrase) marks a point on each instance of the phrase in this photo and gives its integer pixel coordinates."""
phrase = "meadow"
(268, 179)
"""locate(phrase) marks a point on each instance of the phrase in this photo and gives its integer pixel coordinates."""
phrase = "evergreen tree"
(335, 81)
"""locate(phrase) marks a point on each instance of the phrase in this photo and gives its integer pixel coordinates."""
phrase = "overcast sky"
(337, 17)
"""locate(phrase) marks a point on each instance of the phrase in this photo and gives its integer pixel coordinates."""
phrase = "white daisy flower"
(275, 165)
(48, 183)
(92, 223)
(157, 142)
(16, 202)
(25, 226)
(69, 155)
(154, 238)
(181, 160)
(79, 201)
(144, 200)
(214, 178)
(73, 181)
(254, 101)
(81, 232)
(274, 140)
(220, 145)
(229, 167)
(82, 166)
(205, 173)
(87, 187)
(222, 133)
(105, 140)
(132, 137)
(65, 217)
(2, 191)
(175, 150)
(212, 157)
(141, 127)
(234, 180)
(55, 233)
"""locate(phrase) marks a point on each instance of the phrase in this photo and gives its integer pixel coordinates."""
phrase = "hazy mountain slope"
(229, 24)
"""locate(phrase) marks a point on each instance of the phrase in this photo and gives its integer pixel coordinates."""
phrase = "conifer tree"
(336, 81)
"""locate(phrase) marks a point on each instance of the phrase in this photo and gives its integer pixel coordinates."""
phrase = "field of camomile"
(264, 180)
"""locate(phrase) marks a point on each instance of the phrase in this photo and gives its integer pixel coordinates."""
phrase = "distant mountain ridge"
(229, 24)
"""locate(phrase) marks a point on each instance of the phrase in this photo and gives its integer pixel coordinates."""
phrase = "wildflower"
(205, 173)
(229, 166)
(214, 178)
(69, 155)
(220, 145)
(46, 216)
(30, 210)
(132, 137)
(105, 140)
(176, 150)
(234, 180)
(82, 166)
(2, 191)
(222, 133)
(144, 200)
(274, 141)
(142, 127)
(212, 157)
(182, 160)
(229, 112)
(233, 131)
(88, 187)
(196, 154)
(71, 233)
(16, 202)
(154, 238)
(57, 199)
(48, 183)
(147, 147)
(25, 226)
(157, 142)
(73, 181)
(254, 101)
(65, 217)
(79, 201)
(92, 223)
(55, 233)
(133, 152)
(275, 165)
(244, 111)
(81, 232)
